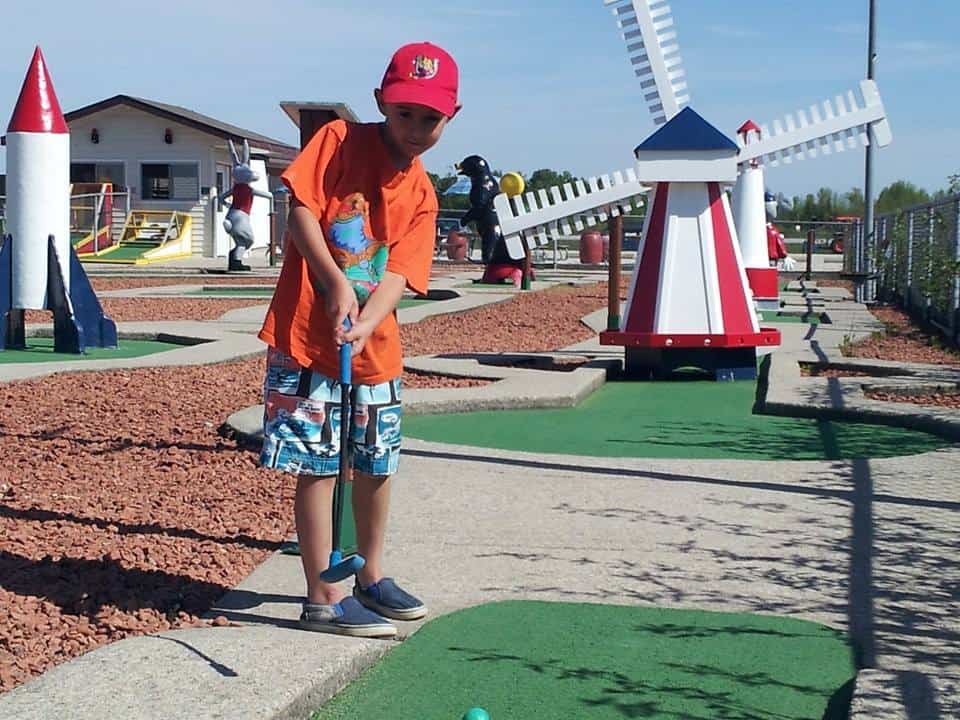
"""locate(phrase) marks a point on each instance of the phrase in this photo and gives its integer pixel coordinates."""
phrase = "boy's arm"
(382, 301)
(307, 237)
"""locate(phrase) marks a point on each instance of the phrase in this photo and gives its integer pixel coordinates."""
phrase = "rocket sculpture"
(38, 267)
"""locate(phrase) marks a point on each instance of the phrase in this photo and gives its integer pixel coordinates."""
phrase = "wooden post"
(811, 240)
(525, 282)
(613, 272)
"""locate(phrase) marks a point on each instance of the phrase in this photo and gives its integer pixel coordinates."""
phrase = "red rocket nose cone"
(38, 109)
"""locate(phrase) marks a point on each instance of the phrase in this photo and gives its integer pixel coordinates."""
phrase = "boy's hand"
(357, 335)
(341, 303)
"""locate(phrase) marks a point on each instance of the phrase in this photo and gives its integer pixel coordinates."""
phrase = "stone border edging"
(512, 389)
(790, 394)
(203, 344)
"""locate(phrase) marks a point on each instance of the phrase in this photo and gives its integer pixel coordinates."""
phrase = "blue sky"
(545, 83)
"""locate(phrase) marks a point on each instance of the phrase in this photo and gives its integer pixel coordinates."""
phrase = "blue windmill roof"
(687, 131)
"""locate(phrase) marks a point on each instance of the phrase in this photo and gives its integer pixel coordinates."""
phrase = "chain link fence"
(913, 259)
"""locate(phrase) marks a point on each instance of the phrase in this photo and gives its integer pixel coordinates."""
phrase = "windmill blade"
(526, 219)
(842, 125)
(647, 27)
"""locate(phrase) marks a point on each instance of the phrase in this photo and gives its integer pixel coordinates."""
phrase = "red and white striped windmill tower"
(690, 300)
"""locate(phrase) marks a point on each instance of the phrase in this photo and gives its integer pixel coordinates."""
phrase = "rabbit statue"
(237, 222)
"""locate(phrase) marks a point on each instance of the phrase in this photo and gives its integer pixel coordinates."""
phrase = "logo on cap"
(425, 68)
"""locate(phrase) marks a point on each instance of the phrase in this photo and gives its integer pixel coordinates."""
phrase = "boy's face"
(411, 129)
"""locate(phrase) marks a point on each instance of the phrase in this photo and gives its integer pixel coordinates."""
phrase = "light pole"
(866, 290)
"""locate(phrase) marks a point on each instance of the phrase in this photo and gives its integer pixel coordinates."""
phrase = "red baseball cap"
(422, 74)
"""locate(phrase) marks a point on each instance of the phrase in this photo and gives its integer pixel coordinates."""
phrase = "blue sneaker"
(347, 617)
(388, 599)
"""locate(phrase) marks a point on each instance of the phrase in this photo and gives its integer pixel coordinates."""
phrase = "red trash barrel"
(457, 245)
(591, 247)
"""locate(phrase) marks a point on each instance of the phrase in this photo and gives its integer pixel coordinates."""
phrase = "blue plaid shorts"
(302, 424)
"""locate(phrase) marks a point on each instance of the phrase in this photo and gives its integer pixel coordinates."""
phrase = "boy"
(362, 227)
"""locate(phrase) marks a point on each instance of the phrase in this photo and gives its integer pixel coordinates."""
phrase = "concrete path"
(866, 546)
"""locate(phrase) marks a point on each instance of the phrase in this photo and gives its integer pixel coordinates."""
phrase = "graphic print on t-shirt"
(362, 258)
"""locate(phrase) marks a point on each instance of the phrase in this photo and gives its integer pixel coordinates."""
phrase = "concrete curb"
(790, 394)
(512, 389)
(204, 343)
(259, 672)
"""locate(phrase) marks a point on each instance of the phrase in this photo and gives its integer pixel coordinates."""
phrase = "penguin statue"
(483, 189)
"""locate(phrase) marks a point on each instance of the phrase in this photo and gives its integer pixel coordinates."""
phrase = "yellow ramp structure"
(150, 236)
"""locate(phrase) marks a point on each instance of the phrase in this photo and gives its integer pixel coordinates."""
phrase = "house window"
(106, 172)
(170, 181)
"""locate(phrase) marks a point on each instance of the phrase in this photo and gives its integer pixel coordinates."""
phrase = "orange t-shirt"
(374, 218)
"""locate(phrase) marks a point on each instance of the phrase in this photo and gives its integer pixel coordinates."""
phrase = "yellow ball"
(512, 184)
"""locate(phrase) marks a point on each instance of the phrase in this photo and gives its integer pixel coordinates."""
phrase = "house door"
(222, 243)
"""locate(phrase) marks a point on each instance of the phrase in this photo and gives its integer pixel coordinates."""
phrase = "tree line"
(824, 205)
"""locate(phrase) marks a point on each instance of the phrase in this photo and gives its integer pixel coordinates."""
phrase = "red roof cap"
(749, 126)
(38, 109)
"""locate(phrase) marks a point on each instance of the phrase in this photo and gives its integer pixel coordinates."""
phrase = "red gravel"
(938, 399)
(808, 370)
(127, 518)
(529, 322)
(903, 342)
(417, 379)
(122, 518)
(131, 309)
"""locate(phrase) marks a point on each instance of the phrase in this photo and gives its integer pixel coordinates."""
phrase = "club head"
(342, 569)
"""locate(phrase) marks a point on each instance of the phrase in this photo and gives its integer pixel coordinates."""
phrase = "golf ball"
(476, 713)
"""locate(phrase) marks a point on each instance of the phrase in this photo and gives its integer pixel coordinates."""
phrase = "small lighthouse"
(689, 301)
(38, 268)
(749, 214)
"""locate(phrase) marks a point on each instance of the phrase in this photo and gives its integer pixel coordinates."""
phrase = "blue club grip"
(346, 359)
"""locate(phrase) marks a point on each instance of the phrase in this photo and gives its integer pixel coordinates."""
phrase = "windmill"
(689, 301)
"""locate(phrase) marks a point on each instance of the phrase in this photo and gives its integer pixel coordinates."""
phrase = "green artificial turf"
(690, 420)
(214, 291)
(413, 302)
(522, 660)
(476, 284)
(41, 350)
(808, 318)
(124, 253)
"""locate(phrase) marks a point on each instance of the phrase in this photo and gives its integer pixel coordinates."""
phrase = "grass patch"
(809, 318)
(691, 420)
(40, 349)
(522, 659)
